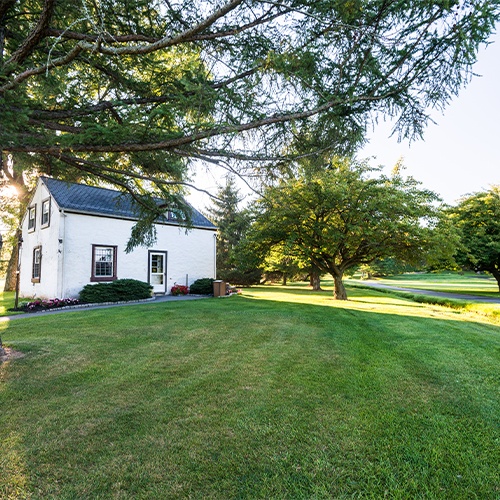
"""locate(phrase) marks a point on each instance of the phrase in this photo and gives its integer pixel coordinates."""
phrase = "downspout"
(61, 252)
(215, 256)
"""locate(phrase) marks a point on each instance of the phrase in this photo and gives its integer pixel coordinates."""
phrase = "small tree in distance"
(343, 216)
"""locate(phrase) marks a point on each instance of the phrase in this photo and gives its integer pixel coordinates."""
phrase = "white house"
(75, 234)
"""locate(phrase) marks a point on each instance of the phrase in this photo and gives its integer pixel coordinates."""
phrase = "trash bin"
(219, 288)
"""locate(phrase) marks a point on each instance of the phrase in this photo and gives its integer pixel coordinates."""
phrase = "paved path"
(84, 307)
(447, 295)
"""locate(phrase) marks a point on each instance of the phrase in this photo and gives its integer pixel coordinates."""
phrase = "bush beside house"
(44, 305)
(202, 286)
(116, 291)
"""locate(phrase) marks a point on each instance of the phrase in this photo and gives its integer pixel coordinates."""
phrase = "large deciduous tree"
(132, 91)
(477, 218)
(347, 214)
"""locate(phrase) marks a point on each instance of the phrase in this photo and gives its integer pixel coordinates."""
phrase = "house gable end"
(34, 196)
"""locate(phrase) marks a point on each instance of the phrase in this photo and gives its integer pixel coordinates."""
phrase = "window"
(176, 216)
(36, 268)
(31, 218)
(103, 263)
(46, 212)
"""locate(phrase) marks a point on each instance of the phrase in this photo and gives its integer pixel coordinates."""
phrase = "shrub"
(241, 278)
(116, 291)
(179, 289)
(202, 286)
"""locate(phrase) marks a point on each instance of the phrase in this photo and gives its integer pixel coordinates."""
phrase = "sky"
(458, 155)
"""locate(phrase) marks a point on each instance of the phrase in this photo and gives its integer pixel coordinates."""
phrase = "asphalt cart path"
(432, 293)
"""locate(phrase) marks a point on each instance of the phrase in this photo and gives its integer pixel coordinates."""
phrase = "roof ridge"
(81, 184)
(83, 198)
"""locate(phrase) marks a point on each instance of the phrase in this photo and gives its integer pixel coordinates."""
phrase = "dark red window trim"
(93, 277)
(45, 224)
(36, 279)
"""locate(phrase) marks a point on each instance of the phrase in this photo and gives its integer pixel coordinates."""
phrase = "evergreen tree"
(133, 91)
(232, 224)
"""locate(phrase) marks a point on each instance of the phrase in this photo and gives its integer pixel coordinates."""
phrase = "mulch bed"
(10, 354)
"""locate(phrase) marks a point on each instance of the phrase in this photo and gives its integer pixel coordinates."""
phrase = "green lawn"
(466, 283)
(6, 301)
(279, 393)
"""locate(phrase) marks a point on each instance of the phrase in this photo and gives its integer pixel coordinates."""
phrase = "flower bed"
(43, 305)
(179, 290)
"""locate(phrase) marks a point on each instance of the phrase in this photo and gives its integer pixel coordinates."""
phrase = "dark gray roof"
(81, 198)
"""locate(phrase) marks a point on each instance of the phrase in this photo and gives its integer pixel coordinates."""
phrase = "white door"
(157, 271)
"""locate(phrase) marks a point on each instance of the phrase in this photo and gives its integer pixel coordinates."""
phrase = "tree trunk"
(315, 280)
(283, 282)
(340, 292)
(496, 275)
(10, 275)
(16, 180)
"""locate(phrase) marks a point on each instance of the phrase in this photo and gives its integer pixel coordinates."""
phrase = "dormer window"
(46, 212)
(32, 218)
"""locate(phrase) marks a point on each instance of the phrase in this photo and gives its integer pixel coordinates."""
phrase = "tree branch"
(50, 114)
(74, 35)
(42, 69)
(189, 139)
(168, 41)
(95, 169)
(5, 6)
(30, 43)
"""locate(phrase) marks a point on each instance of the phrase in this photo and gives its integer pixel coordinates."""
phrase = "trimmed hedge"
(116, 291)
(203, 286)
(241, 278)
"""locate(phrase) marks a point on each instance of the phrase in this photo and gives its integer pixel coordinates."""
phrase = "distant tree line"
(345, 216)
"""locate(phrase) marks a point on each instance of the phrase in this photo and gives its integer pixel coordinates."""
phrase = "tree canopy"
(132, 92)
(477, 218)
(345, 215)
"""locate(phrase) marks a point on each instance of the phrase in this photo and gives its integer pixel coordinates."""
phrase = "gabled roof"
(81, 198)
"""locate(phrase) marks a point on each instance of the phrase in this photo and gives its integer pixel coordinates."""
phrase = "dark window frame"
(47, 223)
(36, 267)
(31, 220)
(96, 278)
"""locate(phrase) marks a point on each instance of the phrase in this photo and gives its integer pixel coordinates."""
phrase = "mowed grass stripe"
(276, 394)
